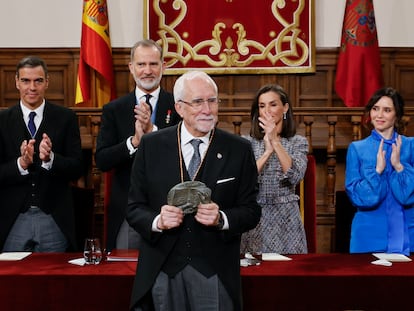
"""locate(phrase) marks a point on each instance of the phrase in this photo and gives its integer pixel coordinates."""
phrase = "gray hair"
(146, 43)
(180, 84)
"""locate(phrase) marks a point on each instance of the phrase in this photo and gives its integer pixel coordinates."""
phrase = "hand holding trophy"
(188, 195)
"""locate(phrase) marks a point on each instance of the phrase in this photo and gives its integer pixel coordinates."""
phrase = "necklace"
(180, 154)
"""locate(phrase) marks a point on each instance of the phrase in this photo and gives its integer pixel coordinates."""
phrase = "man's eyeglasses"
(198, 102)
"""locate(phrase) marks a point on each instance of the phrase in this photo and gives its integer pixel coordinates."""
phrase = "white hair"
(179, 86)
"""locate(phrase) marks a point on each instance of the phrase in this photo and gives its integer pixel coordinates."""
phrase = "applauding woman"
(379, 180)
(281, 158)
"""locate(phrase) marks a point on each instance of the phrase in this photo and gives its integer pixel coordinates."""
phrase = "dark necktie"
(31, 125)
(196, 159)
(147, 100)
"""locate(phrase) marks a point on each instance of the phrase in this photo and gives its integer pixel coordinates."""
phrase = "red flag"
(358, 73)
(95, 84)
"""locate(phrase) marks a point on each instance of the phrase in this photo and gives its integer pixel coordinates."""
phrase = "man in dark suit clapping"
(40, 154)
(124, 121)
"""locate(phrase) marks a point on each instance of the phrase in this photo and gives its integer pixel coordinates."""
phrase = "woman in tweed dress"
(281, 157)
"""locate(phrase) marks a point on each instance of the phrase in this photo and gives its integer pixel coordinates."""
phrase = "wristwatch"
(220, 223)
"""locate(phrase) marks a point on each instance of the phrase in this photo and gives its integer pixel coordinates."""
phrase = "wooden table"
(308, 282)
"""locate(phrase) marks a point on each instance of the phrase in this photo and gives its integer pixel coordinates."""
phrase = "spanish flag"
(95, 84)
(358, 73)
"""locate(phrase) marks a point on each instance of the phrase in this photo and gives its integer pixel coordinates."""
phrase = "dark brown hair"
(398, 102)
(288, 125)
(31, 62)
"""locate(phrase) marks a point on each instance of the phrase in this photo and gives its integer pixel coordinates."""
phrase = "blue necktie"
(31, 125)
(196, 159)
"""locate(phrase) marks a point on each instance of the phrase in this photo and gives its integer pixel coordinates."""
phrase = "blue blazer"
(384, 221)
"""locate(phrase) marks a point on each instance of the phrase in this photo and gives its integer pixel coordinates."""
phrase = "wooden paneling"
(332, 126)
(62, 66)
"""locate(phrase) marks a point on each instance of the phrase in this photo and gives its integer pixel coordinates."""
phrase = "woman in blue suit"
(378, 180)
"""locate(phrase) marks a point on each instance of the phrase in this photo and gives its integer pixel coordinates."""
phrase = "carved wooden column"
(96, 173)
(356, 127)
(331, 161)
(308, 121)
(406, 120)
(237, 121)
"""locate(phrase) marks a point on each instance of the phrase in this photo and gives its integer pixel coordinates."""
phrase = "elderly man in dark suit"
(189, 260)
(40, 154)
(124, 121)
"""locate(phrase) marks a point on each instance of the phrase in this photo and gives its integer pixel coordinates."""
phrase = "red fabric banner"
(95, 85)
(358, 73)
(233, 36)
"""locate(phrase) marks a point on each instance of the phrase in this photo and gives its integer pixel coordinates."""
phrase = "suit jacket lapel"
(43, 125)
(21, 131)
(129, 113)
(215, 161)
(50, 122)
(164, 109)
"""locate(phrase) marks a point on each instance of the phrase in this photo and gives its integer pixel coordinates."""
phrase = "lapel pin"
(168, 117)
(219, 156)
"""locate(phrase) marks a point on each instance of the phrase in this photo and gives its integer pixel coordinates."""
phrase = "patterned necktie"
(31, 125)
(196, 159)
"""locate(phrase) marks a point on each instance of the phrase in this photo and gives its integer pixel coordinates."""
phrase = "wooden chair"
(107, 194)
(307, 203)
(344, 213)
(83, 202)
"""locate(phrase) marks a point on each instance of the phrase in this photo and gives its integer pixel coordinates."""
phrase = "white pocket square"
(220, 181)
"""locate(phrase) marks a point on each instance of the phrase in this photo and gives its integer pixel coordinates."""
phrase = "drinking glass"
(92, 251)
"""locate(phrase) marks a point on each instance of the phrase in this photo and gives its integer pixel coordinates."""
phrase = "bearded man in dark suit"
(189, 260)
(124, 121)
(39, 157)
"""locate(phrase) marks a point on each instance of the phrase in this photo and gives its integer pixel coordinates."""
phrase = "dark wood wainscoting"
(320, 114)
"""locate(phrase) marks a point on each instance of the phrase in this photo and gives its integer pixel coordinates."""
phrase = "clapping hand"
(143, 114)
(45, 148)
(27, 152)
